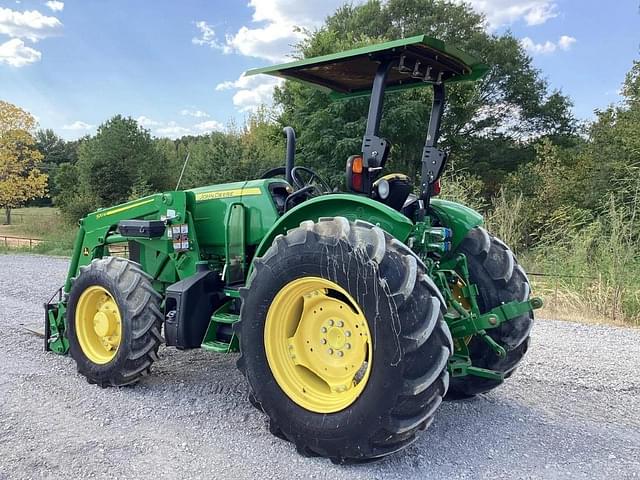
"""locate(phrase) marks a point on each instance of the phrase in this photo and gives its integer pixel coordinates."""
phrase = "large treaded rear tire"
(500, 279)
(139, 306)
(411, 341)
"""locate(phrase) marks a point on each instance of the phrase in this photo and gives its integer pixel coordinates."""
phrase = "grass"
(563, 301)
(44, 223)
(592, 269)
(595, 270)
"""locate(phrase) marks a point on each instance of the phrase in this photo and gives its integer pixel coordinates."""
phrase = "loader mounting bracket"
(54, 324)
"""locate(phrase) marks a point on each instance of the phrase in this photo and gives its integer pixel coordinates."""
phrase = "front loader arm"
(98, 230)
(158, 254)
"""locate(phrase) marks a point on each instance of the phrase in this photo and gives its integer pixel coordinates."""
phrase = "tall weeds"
(595, 270)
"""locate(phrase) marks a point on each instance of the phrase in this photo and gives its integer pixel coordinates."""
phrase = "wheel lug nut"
(331, 323)
(340, 323)
(323, 341)
(323, 329)
(347, 346)
(340, 353)
(347, 333)
(330, 351)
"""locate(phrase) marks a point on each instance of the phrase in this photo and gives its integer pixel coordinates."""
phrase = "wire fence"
(23, 243)
(22, 218)
(19, 242)
(122, 250)
(555, 275)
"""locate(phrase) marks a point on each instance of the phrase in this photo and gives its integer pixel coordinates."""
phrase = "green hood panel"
(456, 216)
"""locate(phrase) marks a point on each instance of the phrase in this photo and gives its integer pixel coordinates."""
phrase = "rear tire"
(411, 342)
(141, 321)
(500, 279)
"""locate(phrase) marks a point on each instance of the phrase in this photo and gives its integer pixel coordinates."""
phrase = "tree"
(240, 153)
(612, 156)
(56, 151)
(120, 163)
(119, 157)
(20, 177)
(487, 125)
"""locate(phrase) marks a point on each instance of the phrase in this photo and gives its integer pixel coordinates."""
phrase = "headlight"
(383, 189)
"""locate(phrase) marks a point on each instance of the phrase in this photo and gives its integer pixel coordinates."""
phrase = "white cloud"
(537, 48)
(31, 25)
(194, 113)
(55, 6)
(306, 14)
(209, 126)
(251, 92)
(539, 14)
(274, 29)
(244, 82)
(147, 122)
(207, 36)
(78, 126)
(15, 53)
(564, 43)
(273, 42)
(173, 130)
(507, 12)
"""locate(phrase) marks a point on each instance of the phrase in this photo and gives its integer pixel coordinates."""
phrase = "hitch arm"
(495, 317)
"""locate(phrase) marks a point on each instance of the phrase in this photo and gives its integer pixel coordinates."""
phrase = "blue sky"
(176, 66)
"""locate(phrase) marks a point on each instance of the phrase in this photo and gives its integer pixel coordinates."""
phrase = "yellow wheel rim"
(318, 345)
(98, 324)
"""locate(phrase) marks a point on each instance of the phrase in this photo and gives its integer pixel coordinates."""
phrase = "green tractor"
(354, 313)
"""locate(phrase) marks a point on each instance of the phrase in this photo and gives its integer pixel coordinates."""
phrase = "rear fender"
(352, 207)
(459, 218)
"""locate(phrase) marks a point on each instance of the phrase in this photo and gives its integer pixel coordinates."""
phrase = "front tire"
(114, 322)
(335, 264)
(500, 279)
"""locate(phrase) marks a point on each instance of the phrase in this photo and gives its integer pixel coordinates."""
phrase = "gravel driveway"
(571, 411)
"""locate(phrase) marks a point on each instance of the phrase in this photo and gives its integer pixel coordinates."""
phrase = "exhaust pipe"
(291, 153)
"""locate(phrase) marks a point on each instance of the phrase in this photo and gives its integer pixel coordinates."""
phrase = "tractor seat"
(400, 186)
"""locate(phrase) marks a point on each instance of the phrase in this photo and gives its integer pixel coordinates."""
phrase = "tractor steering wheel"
(274, 173)
(305, 177)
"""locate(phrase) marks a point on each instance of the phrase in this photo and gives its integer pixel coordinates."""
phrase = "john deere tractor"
(354, 313)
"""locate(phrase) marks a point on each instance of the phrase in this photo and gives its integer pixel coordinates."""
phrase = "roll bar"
(375, 149)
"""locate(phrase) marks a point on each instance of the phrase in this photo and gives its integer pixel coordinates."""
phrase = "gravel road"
(571, 411)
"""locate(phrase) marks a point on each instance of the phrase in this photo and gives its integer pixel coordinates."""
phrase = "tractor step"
(233, 292)
(220, 337)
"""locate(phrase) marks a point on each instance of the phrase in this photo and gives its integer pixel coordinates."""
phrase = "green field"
(45, 224)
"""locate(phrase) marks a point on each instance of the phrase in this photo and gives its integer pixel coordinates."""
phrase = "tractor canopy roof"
(417, 61)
